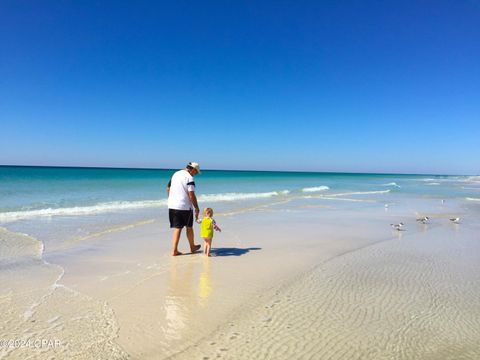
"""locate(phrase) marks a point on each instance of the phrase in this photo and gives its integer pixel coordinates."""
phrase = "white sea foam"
(344, 199)
(452, 179)
(474, 179)
(240, 196)
(394, 184)
(473, 199)
(126, 205)
(80, 210)
(316, 188)
(361, 193)
(341, 196)
(432, 184)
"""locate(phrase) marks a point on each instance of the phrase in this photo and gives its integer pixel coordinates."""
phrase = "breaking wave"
(240, 196)
(361, 193)
(473, 179)
(394, 184)
(316, 188)
(114, 206)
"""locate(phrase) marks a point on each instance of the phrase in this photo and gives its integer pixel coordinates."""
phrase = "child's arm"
(216, 227)
(199, 221)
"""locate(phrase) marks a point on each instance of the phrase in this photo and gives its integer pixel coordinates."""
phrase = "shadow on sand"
(231, 251)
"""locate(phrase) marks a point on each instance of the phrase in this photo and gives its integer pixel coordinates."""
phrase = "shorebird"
(397, 226)
(455, 220)
(424, 219)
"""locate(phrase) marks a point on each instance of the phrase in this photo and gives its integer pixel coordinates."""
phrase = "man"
(181, 199)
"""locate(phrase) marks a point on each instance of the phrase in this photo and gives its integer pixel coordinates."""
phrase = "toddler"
(208, 225)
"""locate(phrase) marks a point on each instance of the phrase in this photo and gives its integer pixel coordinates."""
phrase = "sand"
(305, 280)
(414, 298)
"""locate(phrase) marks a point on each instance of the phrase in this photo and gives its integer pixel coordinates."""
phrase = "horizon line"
(237, 170)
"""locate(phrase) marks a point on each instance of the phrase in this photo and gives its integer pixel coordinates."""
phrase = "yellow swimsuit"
(206, 229)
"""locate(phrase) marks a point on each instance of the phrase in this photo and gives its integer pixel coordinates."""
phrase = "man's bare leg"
(190, 237)
(175, 239)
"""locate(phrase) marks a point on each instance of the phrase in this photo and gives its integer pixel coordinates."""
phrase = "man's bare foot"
(196, 248)
(176, 253)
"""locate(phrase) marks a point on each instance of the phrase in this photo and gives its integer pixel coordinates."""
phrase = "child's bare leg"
(208, 246)
(205, 245)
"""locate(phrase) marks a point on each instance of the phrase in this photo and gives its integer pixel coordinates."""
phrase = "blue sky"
(358, 86)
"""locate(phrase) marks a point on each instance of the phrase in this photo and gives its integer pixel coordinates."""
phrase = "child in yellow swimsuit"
(208, 225)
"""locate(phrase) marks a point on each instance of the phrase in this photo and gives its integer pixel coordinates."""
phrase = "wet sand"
(165, 304)
(411, 298)
(306, 279)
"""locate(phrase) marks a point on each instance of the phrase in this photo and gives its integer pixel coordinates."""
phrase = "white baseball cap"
(194, 165)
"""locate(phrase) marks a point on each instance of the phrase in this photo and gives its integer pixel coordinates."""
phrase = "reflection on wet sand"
(189, 287)
(177, 300)
(204, 283)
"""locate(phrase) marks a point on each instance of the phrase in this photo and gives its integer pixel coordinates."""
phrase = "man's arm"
(193, 199)
(168, 187)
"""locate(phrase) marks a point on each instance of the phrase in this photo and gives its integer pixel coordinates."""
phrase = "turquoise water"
(28, 192)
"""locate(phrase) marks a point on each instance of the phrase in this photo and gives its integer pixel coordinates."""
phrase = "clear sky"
(357, 86)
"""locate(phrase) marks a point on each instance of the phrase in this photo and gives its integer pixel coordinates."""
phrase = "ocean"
(33, 192)
(59, 205)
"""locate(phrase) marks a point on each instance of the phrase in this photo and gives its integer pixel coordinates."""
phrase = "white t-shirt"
(180, 184)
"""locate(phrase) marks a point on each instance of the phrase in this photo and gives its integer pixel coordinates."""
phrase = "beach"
(307, 266)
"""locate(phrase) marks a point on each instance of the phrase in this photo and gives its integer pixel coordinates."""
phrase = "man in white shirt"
(181, 200)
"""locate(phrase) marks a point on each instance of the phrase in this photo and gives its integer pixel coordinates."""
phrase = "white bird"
(455, 220)
(397, 226)
(424, 219)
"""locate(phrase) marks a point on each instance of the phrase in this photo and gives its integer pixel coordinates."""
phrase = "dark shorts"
(180, 218)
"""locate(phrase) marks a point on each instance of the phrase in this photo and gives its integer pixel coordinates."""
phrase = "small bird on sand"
(424, 220)
(455, 220)
(397, 226)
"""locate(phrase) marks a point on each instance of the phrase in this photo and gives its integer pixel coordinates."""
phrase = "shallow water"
(41, 318)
